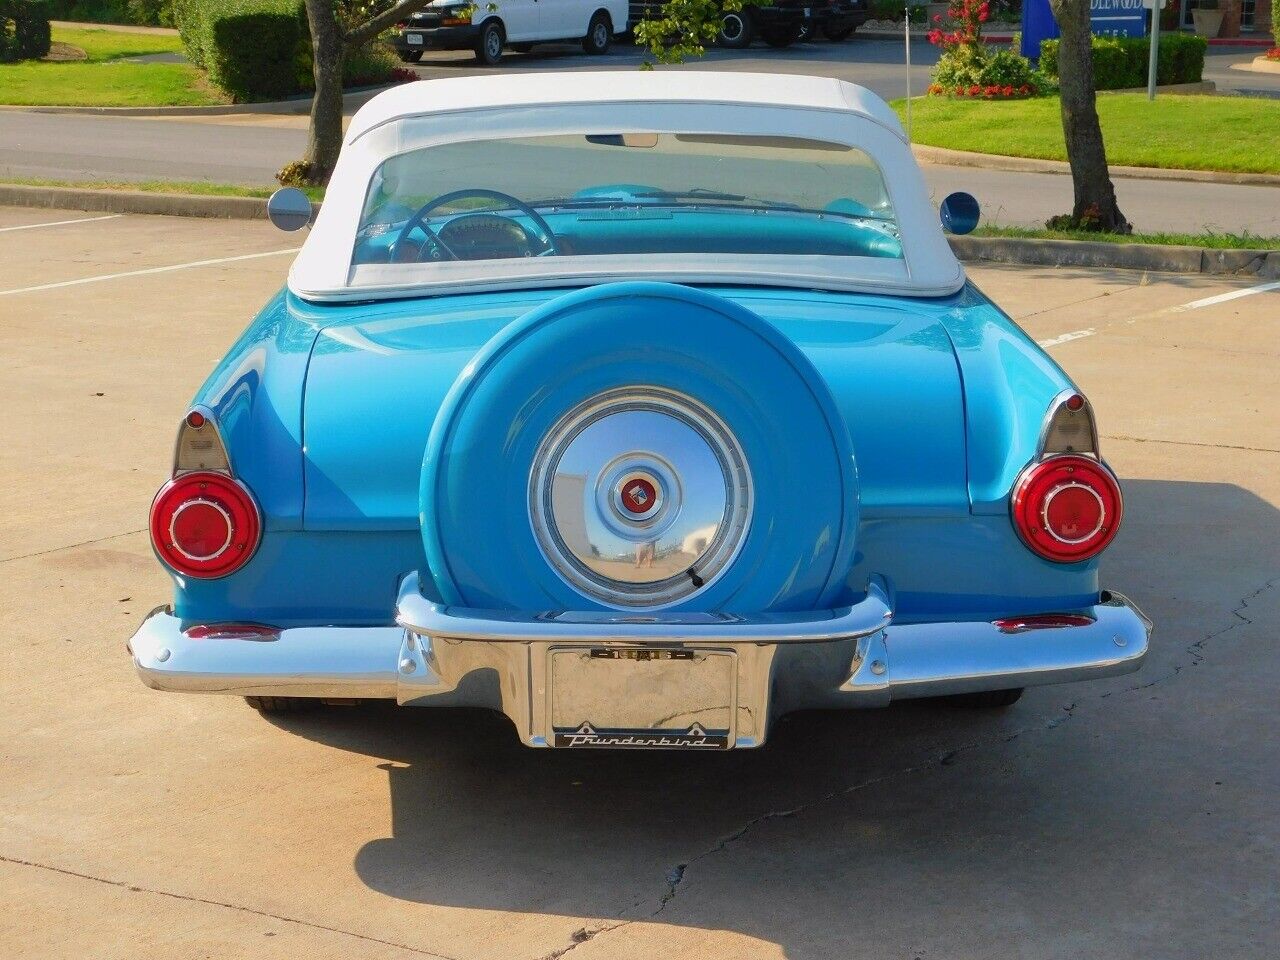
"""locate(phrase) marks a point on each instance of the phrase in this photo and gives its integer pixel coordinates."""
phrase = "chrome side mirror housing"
(960, 213)
(289, 209)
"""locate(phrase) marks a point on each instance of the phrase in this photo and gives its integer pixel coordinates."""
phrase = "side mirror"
(960, 213)
(289, 209)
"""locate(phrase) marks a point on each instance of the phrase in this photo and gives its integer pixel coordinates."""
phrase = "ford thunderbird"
(643, 408)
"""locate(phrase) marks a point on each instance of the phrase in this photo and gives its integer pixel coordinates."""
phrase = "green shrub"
(1120, 63)
(250, 47)
(970, 65)
(146, 13)
(24, 30)
(261, 49)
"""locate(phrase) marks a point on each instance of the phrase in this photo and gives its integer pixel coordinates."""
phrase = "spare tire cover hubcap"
(640, 497)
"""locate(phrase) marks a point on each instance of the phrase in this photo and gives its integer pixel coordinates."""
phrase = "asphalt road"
(1132, 817)
(249, 149)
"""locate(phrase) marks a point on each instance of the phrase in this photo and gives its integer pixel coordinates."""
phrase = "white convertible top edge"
(434, 112)
(601, 87)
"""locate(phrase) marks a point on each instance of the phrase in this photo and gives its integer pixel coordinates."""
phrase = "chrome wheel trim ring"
(732, 27)
(665, 555)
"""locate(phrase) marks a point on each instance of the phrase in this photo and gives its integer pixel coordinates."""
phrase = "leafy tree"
(1095, 196)
(686, 27)
(336, 29)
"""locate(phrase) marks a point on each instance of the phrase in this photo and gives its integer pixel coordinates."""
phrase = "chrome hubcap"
(640, 497)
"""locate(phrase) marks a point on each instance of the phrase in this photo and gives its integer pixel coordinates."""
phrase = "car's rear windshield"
(661, 194)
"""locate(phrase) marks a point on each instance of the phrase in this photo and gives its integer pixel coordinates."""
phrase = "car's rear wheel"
(409, 56)
(641, 464)
(779, 37)
(737, 30)
(987, 699)
(280, 704)
(599, 33)
(836, 34)
(489, 44)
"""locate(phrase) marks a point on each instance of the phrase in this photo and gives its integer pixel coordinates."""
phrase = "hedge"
(144, 13)
(24, 30)
(250, 48)
(1120, 63)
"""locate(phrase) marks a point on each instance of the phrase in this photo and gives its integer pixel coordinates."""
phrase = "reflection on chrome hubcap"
(640, 497)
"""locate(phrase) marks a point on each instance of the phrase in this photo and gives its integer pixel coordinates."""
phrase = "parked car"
(488, 29)
(644, 412)
(778, 24)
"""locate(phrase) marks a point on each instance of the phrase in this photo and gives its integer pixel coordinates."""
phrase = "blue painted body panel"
(943, 399)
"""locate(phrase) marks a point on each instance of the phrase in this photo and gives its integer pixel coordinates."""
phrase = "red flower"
(1025, 88)
(934, 37)
(974, 90)
(959, 91)
(937, 18)
(1008, 91)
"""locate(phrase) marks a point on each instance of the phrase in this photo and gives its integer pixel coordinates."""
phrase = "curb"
(1045, 253)
(1258, 65)
(1118, 256)
(134, 201)
(943, 156)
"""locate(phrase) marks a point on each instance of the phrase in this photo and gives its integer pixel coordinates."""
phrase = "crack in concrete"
(1194, 649)
(583, 935)
(1190, 443)
(72, 546)
(133, 888)
(676, 874)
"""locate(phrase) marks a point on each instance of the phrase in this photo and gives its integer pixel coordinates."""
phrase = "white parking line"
(60, 223)
(147, 272)
(1225, 297)
(1180, 308)
(1067, 337)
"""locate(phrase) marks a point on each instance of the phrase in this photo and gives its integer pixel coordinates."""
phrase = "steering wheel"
(546, 238)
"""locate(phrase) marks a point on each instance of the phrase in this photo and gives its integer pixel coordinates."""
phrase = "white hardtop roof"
(433, 112)
(600, 87)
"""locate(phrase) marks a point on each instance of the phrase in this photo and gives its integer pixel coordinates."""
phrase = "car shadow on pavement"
(834, 802)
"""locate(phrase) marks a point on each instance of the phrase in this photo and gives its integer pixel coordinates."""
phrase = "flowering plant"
(1273, 53)
(967, 67)
(965, 26)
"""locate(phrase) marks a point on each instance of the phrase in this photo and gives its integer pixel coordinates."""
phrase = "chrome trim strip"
(1059, 405)
(421, 616)
(219, 458)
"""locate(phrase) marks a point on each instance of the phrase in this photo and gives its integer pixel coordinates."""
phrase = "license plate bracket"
(641, 697)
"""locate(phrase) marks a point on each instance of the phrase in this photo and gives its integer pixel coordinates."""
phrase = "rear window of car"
(659, 194)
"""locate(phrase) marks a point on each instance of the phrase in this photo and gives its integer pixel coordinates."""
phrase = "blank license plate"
(641, 698)
(415, 39)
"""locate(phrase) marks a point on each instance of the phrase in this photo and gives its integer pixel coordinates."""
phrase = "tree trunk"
(1095, 196)
(328, 50)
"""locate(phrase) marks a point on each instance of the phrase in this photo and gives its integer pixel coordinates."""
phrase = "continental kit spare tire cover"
(639, 446)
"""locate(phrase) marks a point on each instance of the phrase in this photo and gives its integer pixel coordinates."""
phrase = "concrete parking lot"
(1133, 817)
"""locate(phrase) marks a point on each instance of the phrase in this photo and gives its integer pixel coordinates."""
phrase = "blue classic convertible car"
(643, 408)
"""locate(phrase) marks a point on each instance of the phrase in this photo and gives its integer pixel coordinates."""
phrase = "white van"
(489, 27)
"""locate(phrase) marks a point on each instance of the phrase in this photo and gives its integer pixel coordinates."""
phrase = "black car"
(779, 24)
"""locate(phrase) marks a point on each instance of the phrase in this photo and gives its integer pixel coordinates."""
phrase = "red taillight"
(1067, 508)
(232, 631)
(1042, 621)
(205, 525)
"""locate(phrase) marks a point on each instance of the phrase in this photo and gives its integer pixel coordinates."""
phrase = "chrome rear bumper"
(850, 657)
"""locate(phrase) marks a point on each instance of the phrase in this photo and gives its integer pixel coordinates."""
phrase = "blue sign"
(1127, 18)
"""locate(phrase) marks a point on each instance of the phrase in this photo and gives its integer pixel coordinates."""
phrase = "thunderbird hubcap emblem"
(640, 497)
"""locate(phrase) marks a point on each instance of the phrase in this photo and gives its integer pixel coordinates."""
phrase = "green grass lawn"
(1235, 134)
(105, 79)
